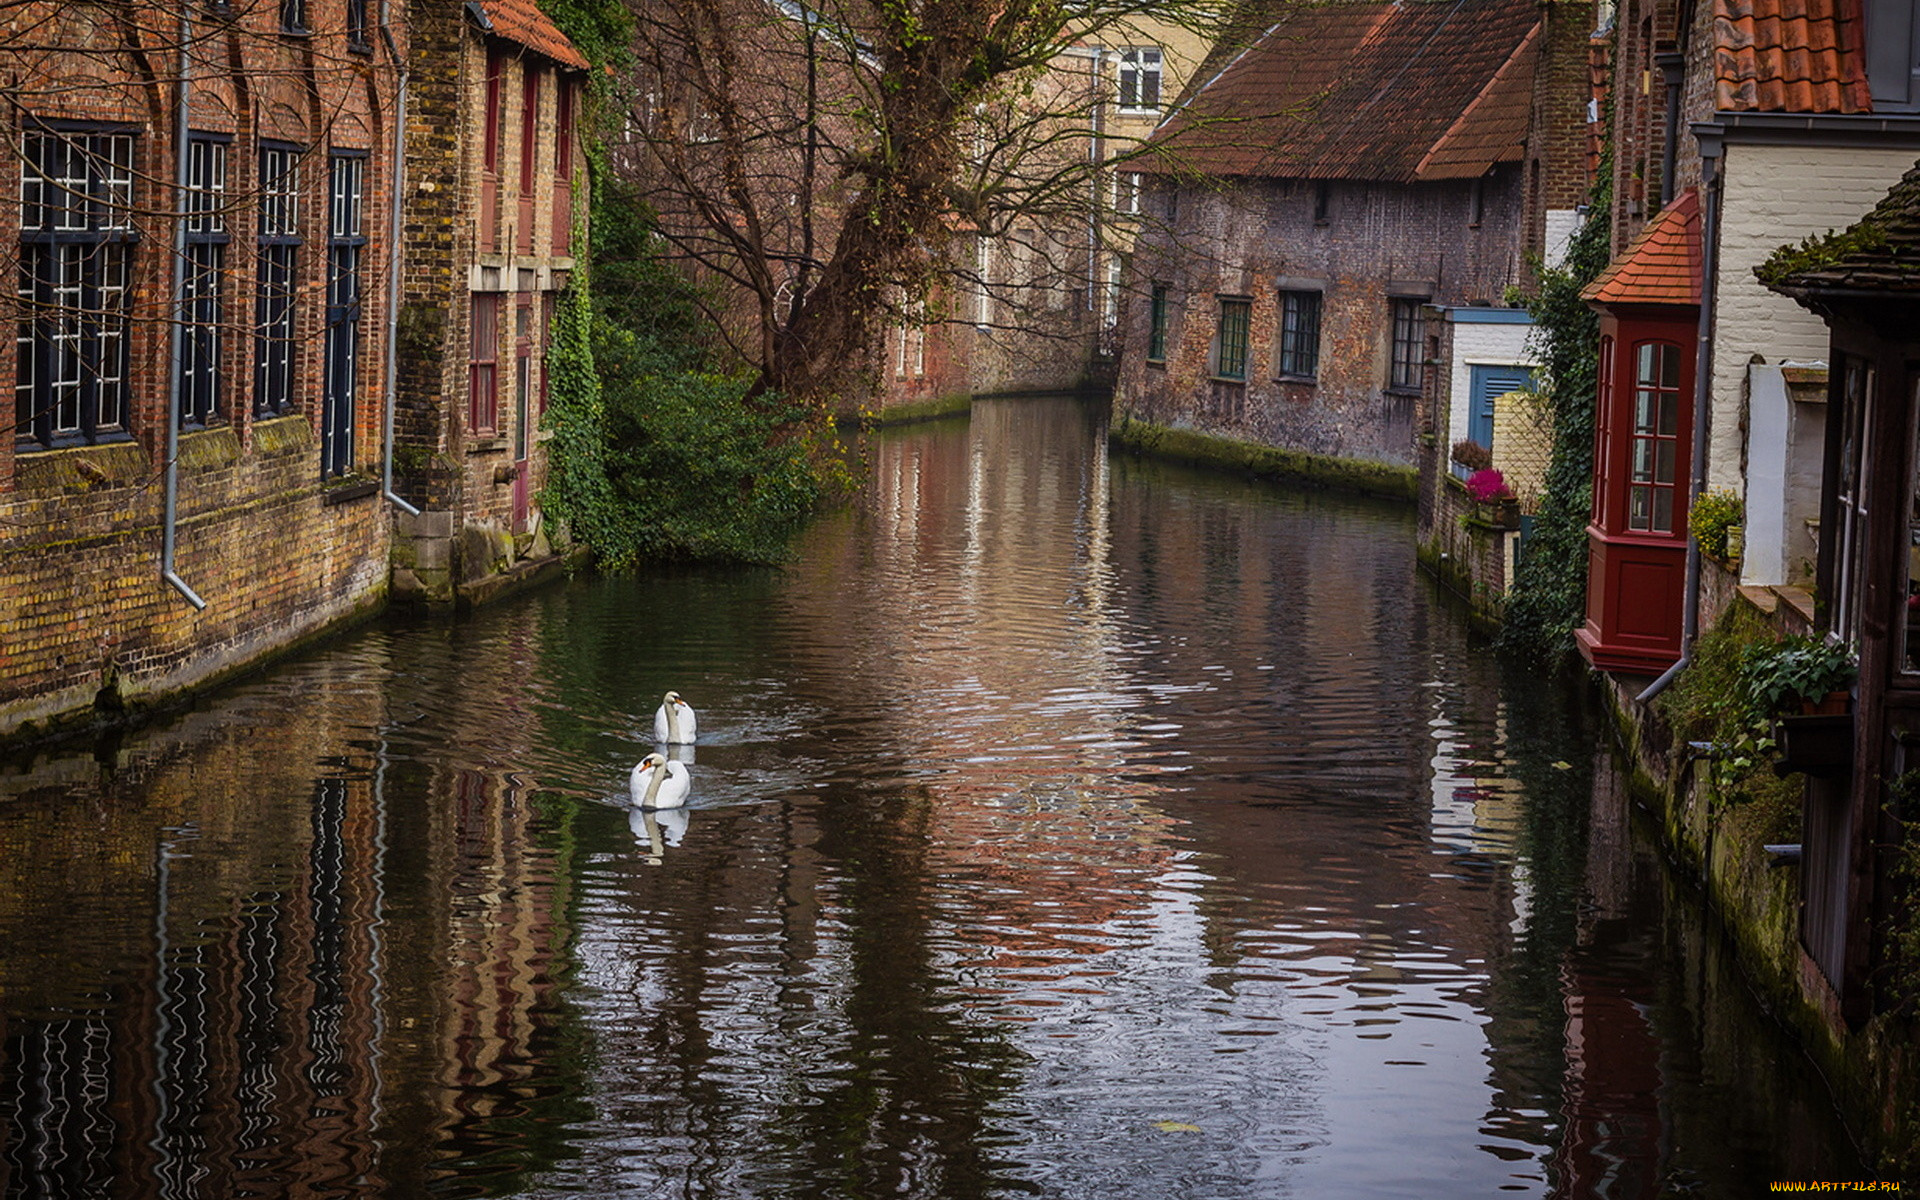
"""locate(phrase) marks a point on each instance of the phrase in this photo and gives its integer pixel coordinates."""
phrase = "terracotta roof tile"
(1365, 89)
(522, 22)
(1662, 266)
(1494, 127)
(1799, 56)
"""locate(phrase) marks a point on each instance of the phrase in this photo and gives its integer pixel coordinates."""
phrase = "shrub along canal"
(1061, 826)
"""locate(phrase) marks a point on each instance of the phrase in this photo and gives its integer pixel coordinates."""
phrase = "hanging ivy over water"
(1549, 594)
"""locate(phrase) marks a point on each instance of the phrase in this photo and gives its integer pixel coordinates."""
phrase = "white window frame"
(1141, 74)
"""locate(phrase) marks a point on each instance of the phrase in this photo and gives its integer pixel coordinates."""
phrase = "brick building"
(1329, 197)
(1775, 122)
(201, 238)
(493, 157)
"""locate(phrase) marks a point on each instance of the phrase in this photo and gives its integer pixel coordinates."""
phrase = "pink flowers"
(1487, 484)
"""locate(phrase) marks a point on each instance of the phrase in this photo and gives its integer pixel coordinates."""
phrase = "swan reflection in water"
(656, 829)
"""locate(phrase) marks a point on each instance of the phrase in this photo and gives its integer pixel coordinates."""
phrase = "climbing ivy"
(1549, 592)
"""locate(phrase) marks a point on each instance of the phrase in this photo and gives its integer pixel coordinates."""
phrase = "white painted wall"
(1484, 345)
(1773, 195)
(1562, 224)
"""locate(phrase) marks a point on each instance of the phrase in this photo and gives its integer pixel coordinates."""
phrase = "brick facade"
(1376, 243)
(491, 215)
(280, 528)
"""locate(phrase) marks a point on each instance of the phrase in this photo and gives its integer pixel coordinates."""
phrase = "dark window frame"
(276, 286)
(1157, 323)
(1407, 356)
(203, 284)
(1232, 343)
(346, 245)
(1300, 313)
(71, 376)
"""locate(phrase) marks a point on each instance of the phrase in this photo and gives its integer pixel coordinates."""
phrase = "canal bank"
(1744, 841)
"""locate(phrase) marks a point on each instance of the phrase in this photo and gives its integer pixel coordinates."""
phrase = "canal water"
(1061, 826)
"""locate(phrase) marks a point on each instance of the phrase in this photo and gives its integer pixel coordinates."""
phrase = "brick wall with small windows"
(279, 527)
(1314, 291)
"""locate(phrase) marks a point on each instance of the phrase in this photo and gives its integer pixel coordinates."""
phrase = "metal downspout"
(1709, 136)
(398, 177)
(177, 337)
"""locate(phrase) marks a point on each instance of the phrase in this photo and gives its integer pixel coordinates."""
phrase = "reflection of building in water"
(229, 954)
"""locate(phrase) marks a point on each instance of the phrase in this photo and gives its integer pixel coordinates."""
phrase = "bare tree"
(827, 168)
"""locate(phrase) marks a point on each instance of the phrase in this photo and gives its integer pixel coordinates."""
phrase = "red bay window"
(1649, 302)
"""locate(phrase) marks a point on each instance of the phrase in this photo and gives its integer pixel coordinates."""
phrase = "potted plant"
(1798, 674)
(1488, 488)
(1802, 683)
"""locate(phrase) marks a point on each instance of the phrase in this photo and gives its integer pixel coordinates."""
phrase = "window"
(983, 269)
(279, 237)
(1893, 55)
(1230, 339)
(346, 240)
(483, 377)
(522, 374)
(1300, 334)
(357, 25)
(1157, 324)
(1602, 435)
(1110, 294)
(529, 125)
(1656, 427)
(293, 16)
(1322, 203)
(206, 247)
(1409, 350)
(1140, 77)
(1126, 193)
(563, 130)
(912, 363)
(490, 132)
(76, 235)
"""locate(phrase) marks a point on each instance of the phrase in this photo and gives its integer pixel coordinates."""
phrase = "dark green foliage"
(1776, 677)
(1549, 592)
(1728, 696)
(656, 453)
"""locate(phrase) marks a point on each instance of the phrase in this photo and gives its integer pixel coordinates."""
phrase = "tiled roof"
(522, 22)
(1880, 253)
(1662, 266)
(1797, 56)
(1494, 127)
(1366, 89)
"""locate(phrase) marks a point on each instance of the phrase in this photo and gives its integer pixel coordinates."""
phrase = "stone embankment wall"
(1756, 897)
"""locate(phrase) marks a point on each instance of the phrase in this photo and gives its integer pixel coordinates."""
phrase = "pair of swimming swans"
(656, 782)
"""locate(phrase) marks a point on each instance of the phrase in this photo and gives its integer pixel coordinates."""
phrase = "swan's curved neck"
(653, 789)
(673, 722)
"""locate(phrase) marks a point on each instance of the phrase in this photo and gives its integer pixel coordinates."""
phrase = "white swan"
(657, 783)
(674, 724)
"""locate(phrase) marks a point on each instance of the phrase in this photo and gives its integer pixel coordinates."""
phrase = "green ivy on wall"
(1548, 598)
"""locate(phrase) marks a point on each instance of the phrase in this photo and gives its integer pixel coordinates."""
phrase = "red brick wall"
(82, 605)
